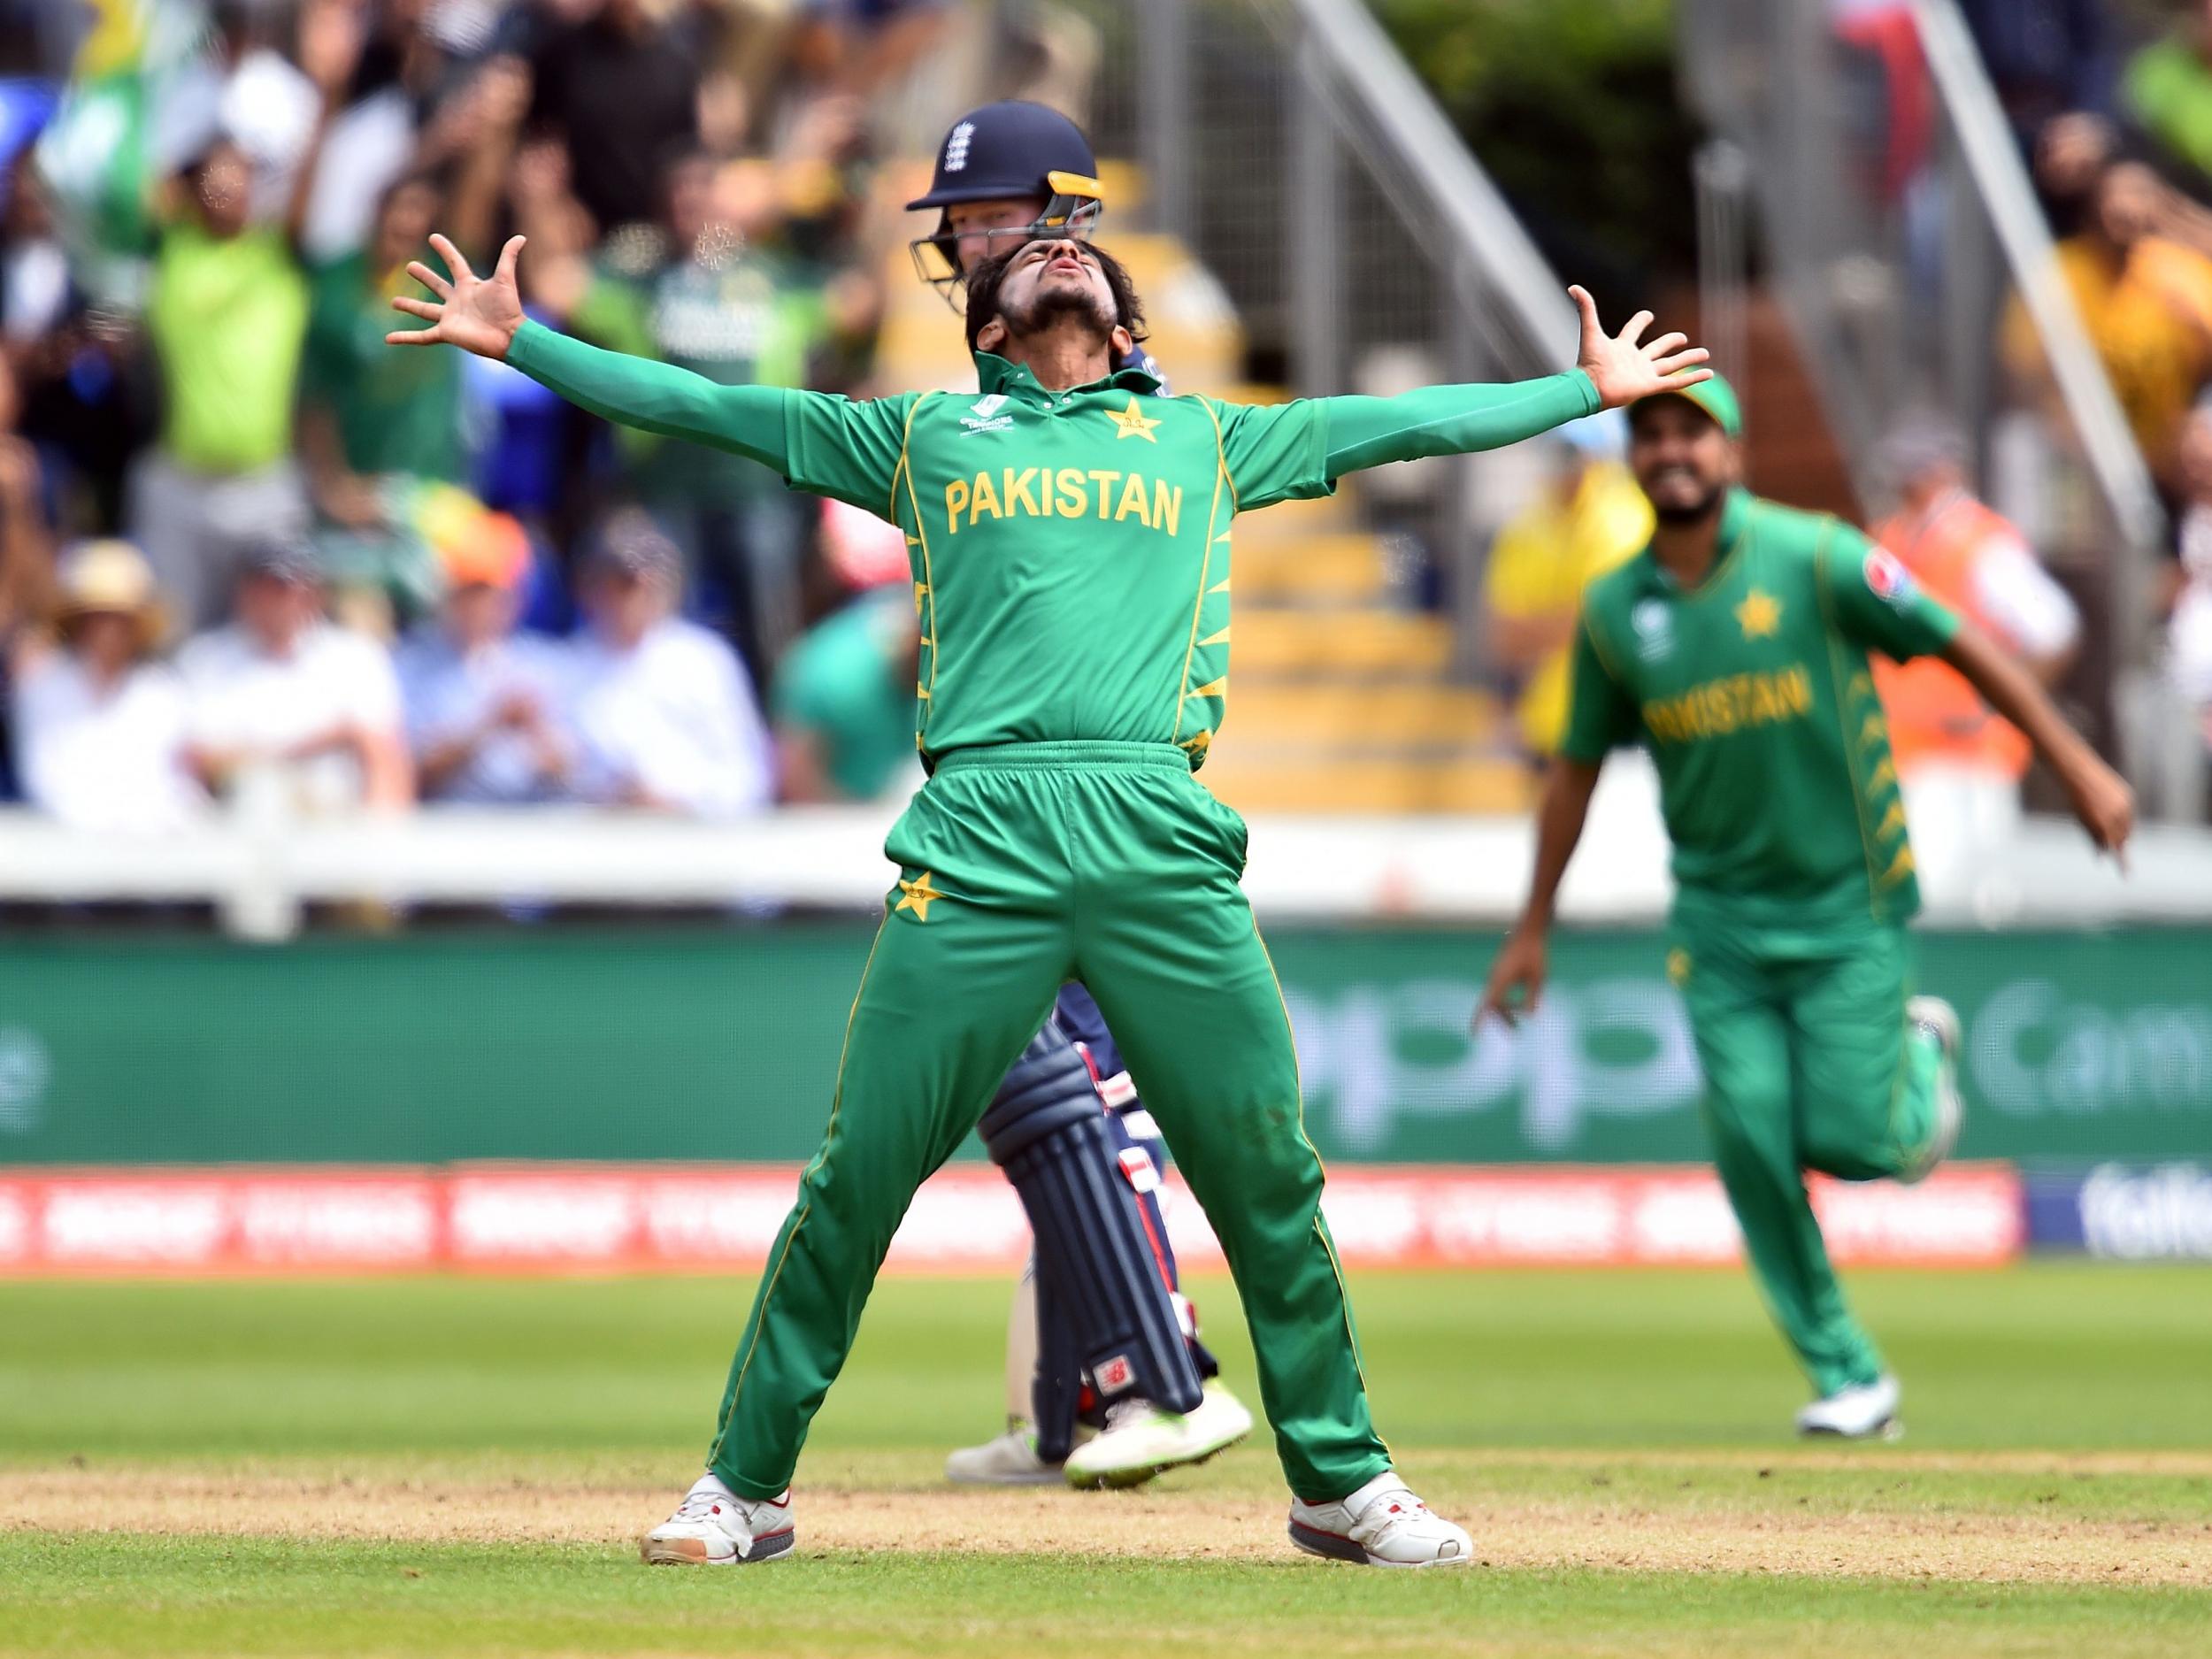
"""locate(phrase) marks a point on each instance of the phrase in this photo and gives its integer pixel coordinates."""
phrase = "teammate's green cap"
(1717, 398)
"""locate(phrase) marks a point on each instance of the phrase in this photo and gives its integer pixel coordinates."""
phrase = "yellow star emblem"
(918, 895)
(1761, 615)
(1132, 423)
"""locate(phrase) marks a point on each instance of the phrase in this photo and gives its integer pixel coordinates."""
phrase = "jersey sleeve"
(823, 444)
(1364, 432)
(1872, 600)
(1600, 714)
(1274, 451)
(847, 450)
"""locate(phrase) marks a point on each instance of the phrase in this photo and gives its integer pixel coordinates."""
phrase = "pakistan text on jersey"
(1067, 492)
(1731, 703)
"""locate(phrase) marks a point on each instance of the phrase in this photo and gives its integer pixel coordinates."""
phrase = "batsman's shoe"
(1382, 1524)
(714, 1527)
(1140, 1440)
(1938, 1021)
(1010, 1460)
(1864, 1411)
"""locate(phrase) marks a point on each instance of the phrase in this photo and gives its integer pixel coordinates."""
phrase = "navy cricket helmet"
(1010, 150)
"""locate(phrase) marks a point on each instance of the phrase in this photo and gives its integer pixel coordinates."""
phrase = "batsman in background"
(1069, 533)
(1099, 1319)
(1735, 649)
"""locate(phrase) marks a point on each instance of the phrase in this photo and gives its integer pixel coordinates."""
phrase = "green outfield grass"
(456, 1467)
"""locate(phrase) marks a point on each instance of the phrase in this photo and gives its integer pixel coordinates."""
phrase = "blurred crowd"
(246, 545)
(2111, 107)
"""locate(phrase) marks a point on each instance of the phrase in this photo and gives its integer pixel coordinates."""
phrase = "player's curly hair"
(984, 280)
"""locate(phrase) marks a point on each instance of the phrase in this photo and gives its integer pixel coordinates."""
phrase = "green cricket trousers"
(1809, 1065)
(1023, 866)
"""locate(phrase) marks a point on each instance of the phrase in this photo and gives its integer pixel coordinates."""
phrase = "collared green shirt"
(1753, 693)
(1069, 549)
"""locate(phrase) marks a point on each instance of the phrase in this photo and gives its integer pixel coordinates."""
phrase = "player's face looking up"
(1052, 278)
(1045, 284)
(1683, 459)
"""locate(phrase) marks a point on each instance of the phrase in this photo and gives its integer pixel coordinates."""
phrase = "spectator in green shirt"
(371, 426)
(845, 703)
(227, 315)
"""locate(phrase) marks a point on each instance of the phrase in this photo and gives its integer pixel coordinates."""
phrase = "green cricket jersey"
(1752, 693)
(1069, 549)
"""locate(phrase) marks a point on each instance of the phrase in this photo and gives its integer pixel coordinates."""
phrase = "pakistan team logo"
(1653, 625)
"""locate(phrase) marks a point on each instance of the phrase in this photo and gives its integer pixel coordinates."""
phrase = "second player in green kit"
(1069, 533)
(1735, 649)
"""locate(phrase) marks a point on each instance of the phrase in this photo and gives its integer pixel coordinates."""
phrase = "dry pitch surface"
(438, 1467)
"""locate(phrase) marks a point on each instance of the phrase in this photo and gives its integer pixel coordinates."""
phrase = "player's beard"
(1049, 305)
(1678, 516)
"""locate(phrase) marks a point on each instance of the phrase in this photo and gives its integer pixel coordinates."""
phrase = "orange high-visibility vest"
(1933, 713)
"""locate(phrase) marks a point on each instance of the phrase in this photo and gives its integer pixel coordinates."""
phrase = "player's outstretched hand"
(479, 314)
(1516, 978)
(2103, 802)
(1624, 367)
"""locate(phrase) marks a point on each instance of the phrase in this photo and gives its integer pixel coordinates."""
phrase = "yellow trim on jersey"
(919, 535)
(1205, 569)
(1837, 680)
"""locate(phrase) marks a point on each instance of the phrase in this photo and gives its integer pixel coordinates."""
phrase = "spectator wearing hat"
(99, 723)
(482, 699)
(663, 714)
(282, 689)
(227, 315)
(1586, 517)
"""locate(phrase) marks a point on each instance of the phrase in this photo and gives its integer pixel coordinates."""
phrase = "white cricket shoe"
(1140, 1440)
(1010, 1460)
(1382, 1524)
(1939, 1021)
(714, 1527)
(1864, 1411)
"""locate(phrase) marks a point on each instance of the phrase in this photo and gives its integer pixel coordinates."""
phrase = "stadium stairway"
(1341, 700)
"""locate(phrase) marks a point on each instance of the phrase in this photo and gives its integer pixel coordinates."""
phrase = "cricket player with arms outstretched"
(1069, 552)
(1100, 1318)
(1735, 649)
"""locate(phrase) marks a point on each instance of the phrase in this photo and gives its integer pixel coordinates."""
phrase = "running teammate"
(1069, 532)
(1735, 649)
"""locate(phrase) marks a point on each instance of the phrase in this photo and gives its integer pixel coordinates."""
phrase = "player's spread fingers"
(1584, 305)
(1689, 359)
(451, 255)
(1687, 377)
(1634, 332)
(414, 307)
(508, 255)
(430, 279)
(1665, 344)
(412, 337)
